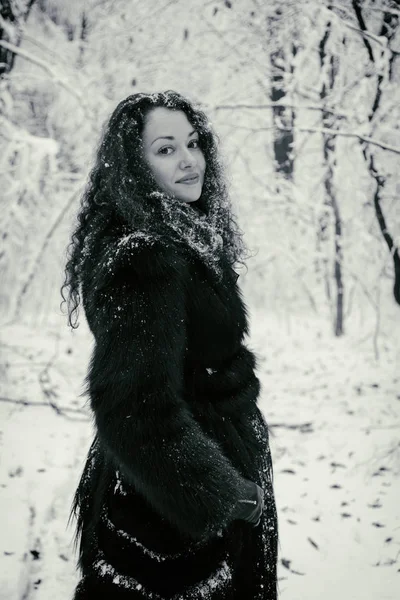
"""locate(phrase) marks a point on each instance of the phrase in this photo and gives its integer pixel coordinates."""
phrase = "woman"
(176, 497)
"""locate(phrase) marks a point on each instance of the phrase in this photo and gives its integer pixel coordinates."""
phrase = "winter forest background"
(305, 97)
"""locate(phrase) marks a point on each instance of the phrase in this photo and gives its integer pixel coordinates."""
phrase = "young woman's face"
(171, 148)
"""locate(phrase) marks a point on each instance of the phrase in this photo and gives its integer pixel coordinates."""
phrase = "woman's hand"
(251, 506)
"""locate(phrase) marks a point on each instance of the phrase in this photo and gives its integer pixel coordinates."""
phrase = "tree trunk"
(388, 30)
(283, 117)
(394, 251)
(12, 15)
(83, 38)
(328, 121)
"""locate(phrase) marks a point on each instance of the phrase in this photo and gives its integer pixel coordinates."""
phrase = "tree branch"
(353, 134)
(43, 247)
(366, 34)
(303, 427)
(363, 27)
(234, 48)
(58, 409)
(45, 66)
(384, 9)
(278, 104)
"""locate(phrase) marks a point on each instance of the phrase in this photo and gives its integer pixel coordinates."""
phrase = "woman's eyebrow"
(170, 137)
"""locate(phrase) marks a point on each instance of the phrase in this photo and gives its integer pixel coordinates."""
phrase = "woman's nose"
(187, 159)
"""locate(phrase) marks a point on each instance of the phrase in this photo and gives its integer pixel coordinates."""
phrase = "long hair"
(122, 185)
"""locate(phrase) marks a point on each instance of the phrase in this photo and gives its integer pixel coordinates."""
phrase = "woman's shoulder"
(140, 252)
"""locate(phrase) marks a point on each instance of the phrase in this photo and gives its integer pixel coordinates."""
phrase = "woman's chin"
(189, 197)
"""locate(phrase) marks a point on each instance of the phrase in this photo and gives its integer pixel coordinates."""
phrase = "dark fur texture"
(173, 392)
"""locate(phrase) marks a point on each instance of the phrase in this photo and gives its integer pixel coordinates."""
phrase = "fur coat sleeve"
(135, 306)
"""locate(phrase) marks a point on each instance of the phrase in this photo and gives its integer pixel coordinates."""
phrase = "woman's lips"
(190, 181)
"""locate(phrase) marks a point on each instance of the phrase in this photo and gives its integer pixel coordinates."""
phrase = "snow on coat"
(173, 390)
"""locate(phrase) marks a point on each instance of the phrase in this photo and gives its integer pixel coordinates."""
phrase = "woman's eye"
(161, 150)
(164, 149)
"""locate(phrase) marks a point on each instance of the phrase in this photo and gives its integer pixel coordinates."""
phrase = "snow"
(203, 589)
(332, 404)
(191, 227)
(337, 470)
(334, 414)
(135, 238)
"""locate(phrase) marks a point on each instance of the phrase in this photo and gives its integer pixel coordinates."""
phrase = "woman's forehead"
(163, 121)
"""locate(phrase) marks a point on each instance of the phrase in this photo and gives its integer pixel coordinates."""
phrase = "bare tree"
(284, 116)
(389, 27)
(329, 62)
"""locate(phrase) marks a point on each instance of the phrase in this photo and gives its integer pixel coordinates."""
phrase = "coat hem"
(217, 582)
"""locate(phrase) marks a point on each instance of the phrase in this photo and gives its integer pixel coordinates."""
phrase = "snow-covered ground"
(334, 412)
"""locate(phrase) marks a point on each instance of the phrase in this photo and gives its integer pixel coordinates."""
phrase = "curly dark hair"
(122, 185)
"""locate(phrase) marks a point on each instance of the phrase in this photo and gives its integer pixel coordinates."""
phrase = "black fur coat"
(173, 393)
